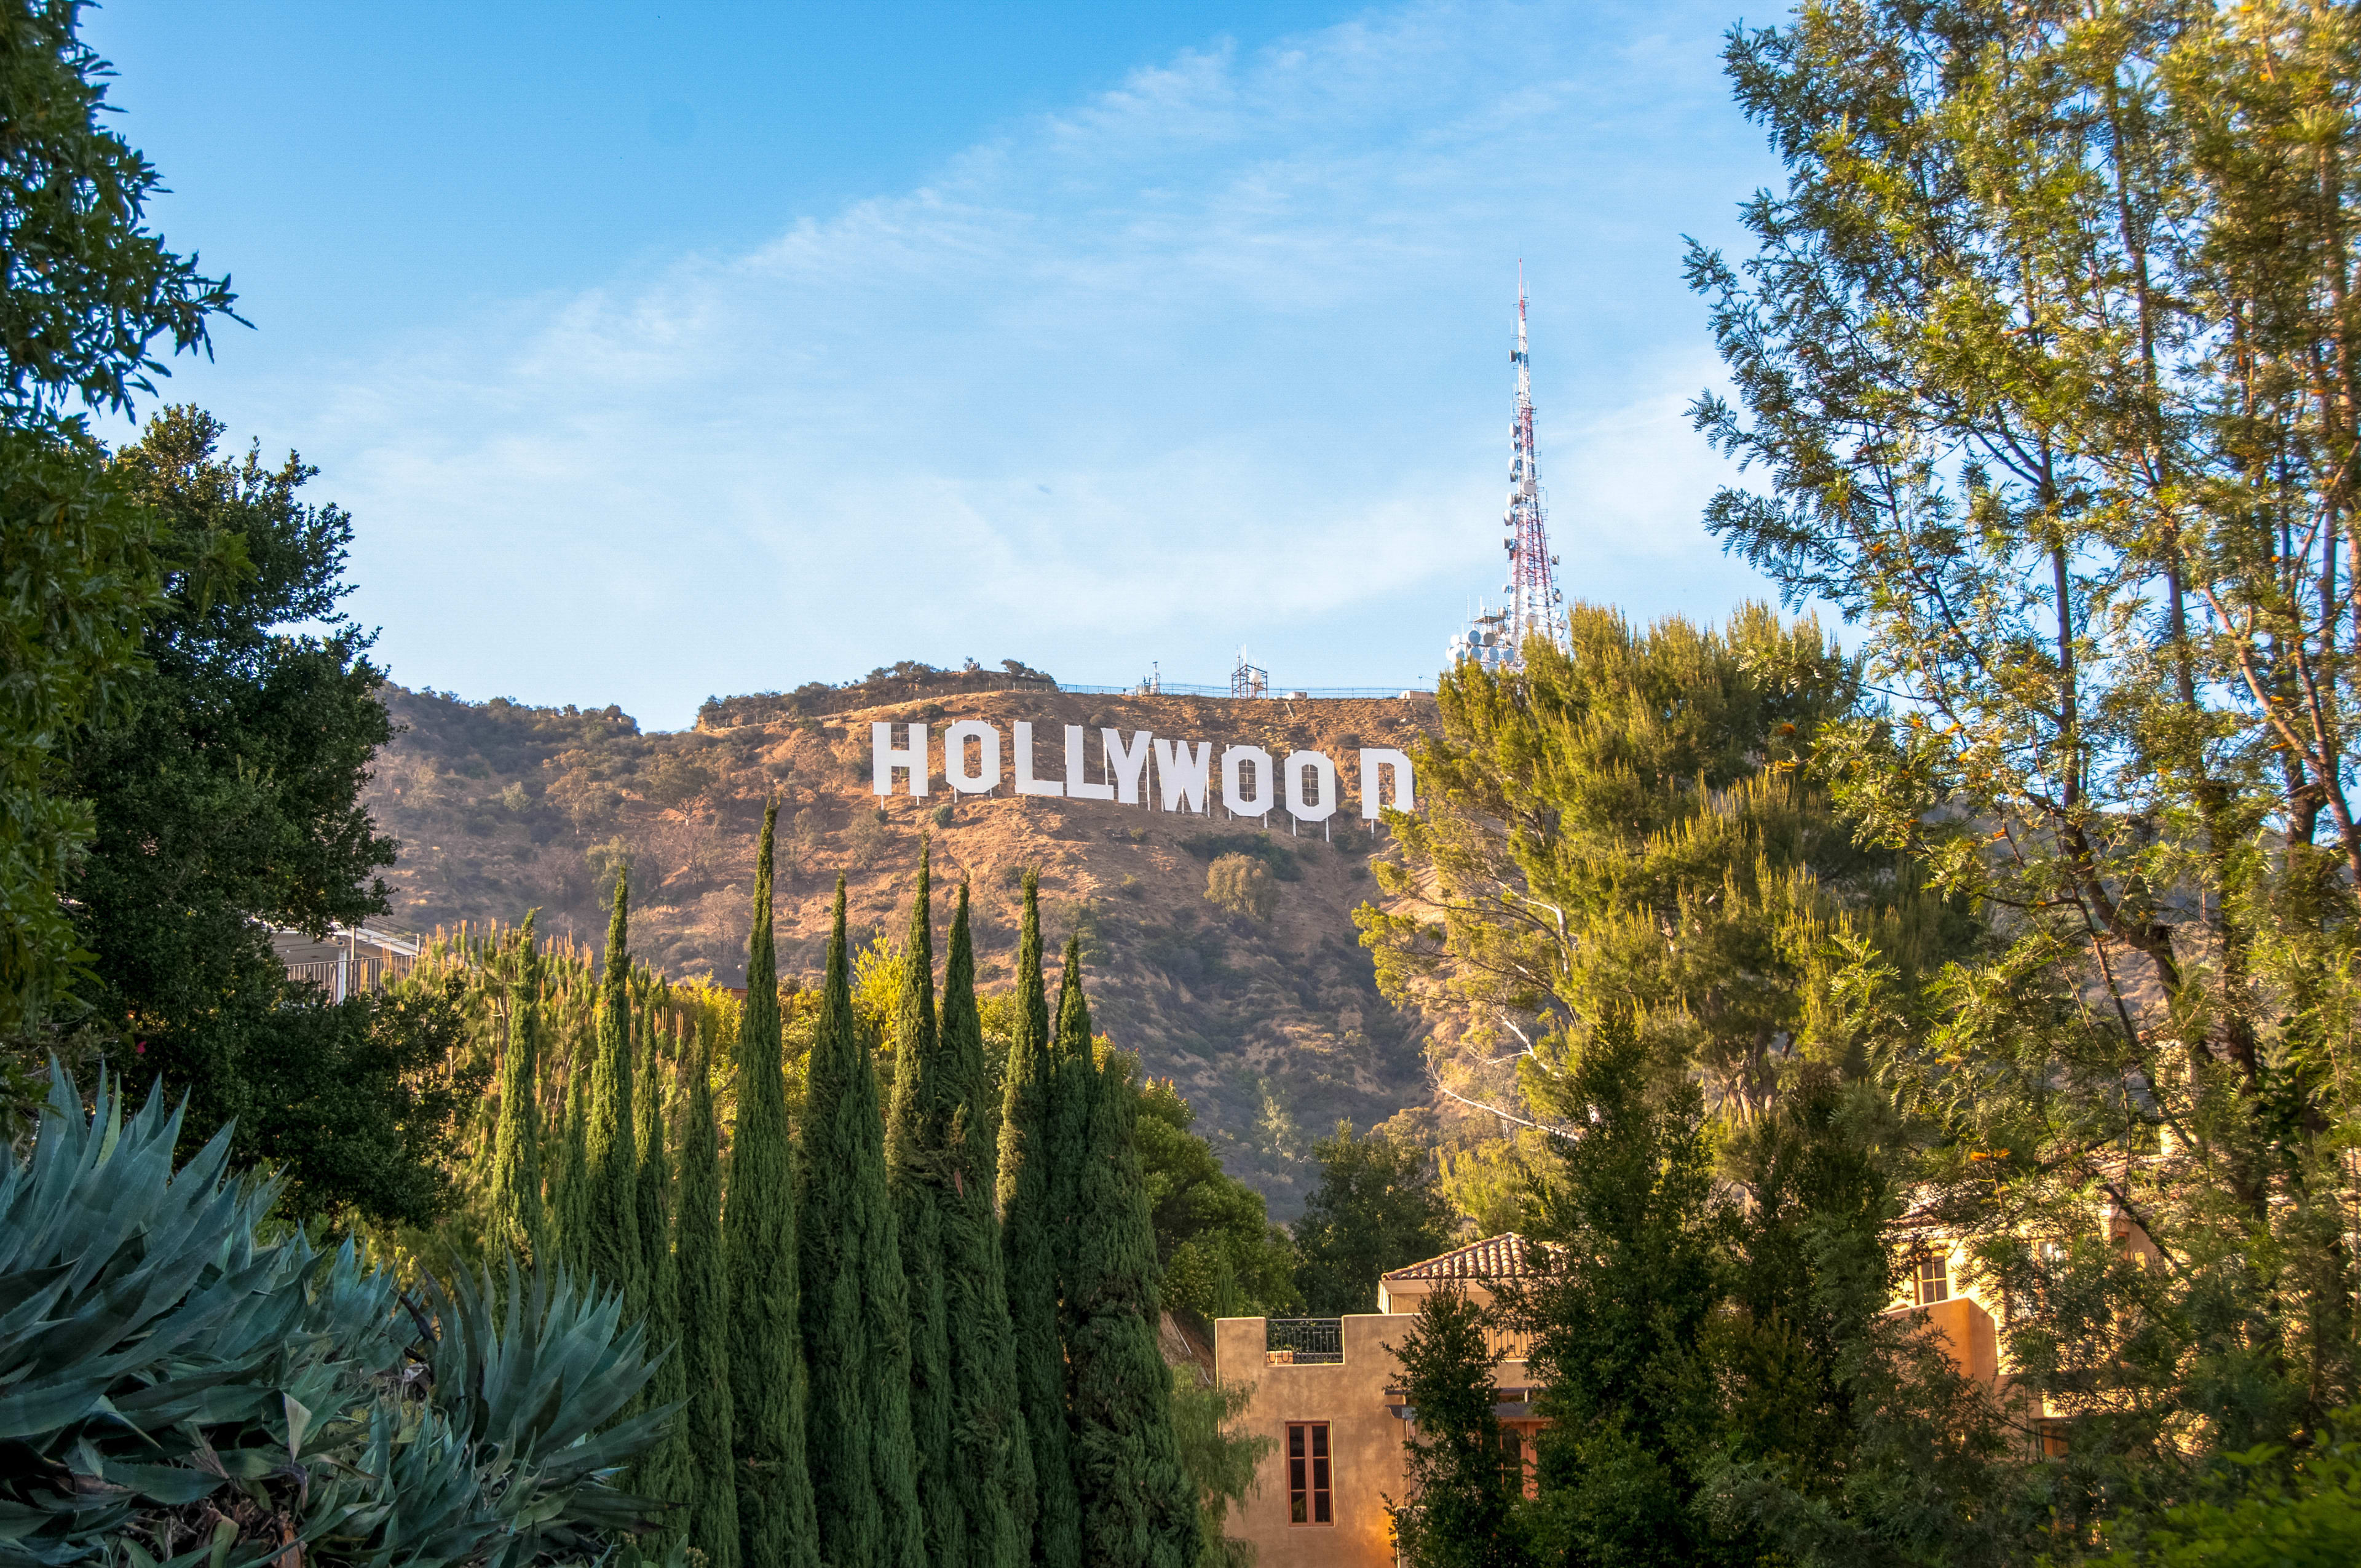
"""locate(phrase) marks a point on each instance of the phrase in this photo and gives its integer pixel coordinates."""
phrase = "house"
(349, 959)
(1328, 1391)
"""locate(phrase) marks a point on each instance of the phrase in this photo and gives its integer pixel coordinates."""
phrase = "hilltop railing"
(1299, 694)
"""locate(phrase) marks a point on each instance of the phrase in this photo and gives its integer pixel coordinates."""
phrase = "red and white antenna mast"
(1536, 608)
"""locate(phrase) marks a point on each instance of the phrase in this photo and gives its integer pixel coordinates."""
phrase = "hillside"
(1274, 1029)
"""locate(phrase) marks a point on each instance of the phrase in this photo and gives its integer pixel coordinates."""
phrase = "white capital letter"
(1234, 774)
(1026, 782)
(884, 759)
(1317, 803)
(1373, 758)
(1126, 765)
(986, 777)
(1182, 776)
(1078, 787)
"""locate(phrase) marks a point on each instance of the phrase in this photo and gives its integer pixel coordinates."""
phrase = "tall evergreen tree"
(704, 1316)
(1138, 1509)
(1028, 1243)
(571, 1185)
(611, 1212)
(520, 1220)
(856, 1307)
(917, 1129)
(663, 1473)
(776, 1526)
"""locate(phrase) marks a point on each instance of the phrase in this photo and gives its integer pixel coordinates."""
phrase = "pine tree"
(520, 1220)
(916, 1130)
(663, 1472)
(1028, 1243)
(991, 1462)
(776, 1526)
(856, 1309)
(705, 1318)
(1138, 1509)
(611, 1212)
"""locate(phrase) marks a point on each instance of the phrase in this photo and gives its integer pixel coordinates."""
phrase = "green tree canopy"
(1378, 1207)
(1220, 1254)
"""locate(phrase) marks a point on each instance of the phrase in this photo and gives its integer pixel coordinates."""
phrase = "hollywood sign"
(1252, 783)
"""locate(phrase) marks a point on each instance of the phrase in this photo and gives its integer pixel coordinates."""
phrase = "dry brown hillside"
(1275, 1030)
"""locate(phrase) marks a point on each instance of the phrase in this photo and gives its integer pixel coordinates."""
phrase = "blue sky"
(661, 354)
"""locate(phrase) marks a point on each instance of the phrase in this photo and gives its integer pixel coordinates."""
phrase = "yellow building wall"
(1364, 1434)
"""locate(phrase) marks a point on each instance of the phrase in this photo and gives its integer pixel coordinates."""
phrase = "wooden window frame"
(1311, 1473)
(1934, 1263)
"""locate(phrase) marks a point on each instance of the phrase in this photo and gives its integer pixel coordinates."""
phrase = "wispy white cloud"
(1213, 357)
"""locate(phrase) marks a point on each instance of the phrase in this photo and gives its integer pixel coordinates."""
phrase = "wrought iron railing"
(1318, 1341)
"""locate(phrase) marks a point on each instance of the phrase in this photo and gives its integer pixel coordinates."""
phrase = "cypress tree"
(571, 1186)
(1138, 1508)
(1028, 1242)
(705, 1317)
(663, 1472)
(917, 1128)
(520, 1221)
(991, 1462)
(610, 1209)
(856, 1309)
(765, 1422)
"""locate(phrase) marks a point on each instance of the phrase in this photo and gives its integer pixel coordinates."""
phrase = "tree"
(663, 1473)
(610, 1207)
(520, 1220)
(86, 290)
(1030, 1240)
(1378, 1207)
(769, 1384)
(571, 1183)
(226, 801)
(705, 1317)
(1242, 884)
(2043, 352)
(1221, 1463)
(1461, 1486)
(1220, 1254)
(1138, 1508)
(992, 1463)
(856, 1311)
(917, 1131)
(1619, 1335)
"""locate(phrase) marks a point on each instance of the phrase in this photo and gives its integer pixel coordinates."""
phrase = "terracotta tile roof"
(1505, 1256)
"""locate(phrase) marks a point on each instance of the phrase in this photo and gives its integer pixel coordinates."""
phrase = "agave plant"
(174, 1388)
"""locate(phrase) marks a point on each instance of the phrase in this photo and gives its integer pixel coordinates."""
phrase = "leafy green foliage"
(1137, 1507)
(1221, 1256)
(917, 1128)
(1460, 1487)
(856, 1310)
(2042, 347)
(1031, 1236)
(993, 1456)
(520, 1222)
(87, 289)
(172, 1378)
(1221, 1463)
(226, 800)
(1378, 1207)
(80, 571)
(705, 1320)
(611, 1211)
(2302, 1511)
(765, 1303)
(1242, 886)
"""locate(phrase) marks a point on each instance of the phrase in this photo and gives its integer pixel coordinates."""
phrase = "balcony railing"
(342, 977)
(1317, 1342)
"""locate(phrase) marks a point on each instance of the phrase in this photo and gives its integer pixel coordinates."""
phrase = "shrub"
(1242, 884)
(171, 1380)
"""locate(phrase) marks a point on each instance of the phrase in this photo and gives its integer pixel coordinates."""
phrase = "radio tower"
(1534, 600)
